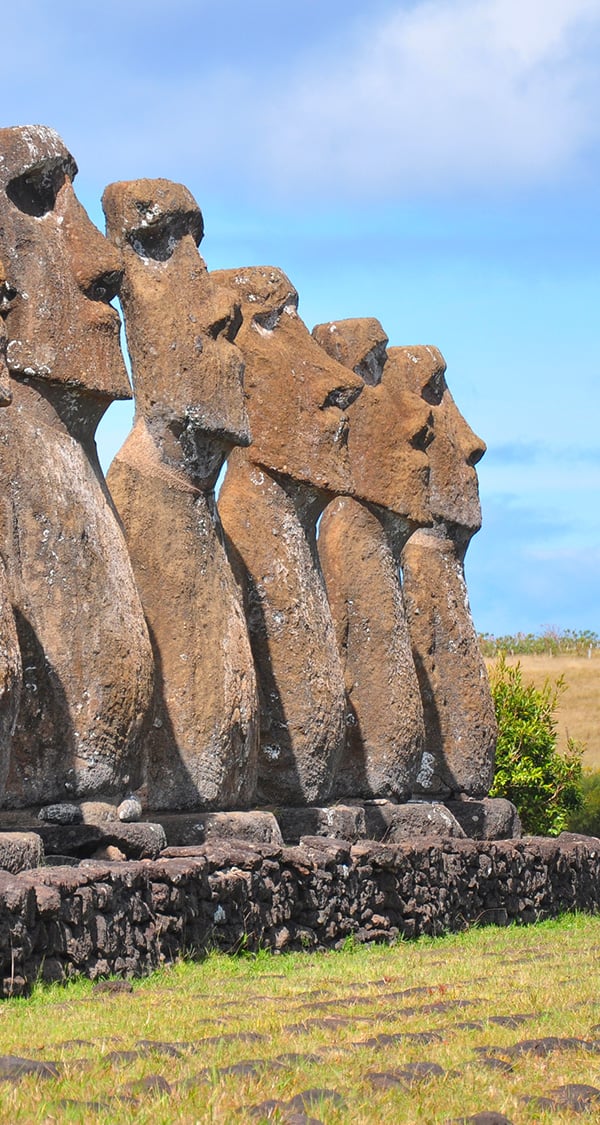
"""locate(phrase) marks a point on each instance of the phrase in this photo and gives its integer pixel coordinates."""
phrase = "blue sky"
(434, 163)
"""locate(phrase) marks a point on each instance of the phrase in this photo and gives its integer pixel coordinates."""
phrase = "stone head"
(187, 373)
(389, 425)
(297, 395)
(454, 449)
(61, 327)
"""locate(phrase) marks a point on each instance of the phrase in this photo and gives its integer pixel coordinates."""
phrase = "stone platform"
(128, 918)
(71, 832)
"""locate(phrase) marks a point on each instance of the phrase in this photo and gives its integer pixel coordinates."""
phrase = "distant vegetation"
(551, 640)
(546, 786)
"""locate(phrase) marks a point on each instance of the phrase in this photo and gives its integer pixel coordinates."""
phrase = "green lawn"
(424, 1031)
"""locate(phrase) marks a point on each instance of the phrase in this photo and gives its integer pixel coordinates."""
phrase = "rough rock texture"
(202, 748)
(389, 822)
(459, 715)
(135, 841)
(359, 344)
(389, 428)
(493, 818)
(292, 636)
(422, 473)
(384, 715)
(297, 395)
(20, 850)
(452, 448)
(269, 504)
(127, 918)
(11, 673)
(337, 822)
(6, 295)
(83, 639)
(257, 827)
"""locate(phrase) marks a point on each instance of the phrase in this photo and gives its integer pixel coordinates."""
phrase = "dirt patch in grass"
(111, 1059)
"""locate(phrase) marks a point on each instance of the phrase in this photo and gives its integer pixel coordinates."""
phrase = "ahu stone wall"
(128, 918)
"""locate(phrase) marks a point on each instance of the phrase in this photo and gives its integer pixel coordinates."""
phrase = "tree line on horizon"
(550, 641)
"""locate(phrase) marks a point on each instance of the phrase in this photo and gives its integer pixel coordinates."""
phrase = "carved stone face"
(61, 327)
(179, 323)
(389, 423)
(454, 449)
(297, 395)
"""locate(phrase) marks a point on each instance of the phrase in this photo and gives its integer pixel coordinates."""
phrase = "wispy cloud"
(392, 100)
(441, 94)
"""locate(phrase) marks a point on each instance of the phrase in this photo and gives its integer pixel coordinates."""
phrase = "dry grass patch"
(578, 711)
(420, 1032)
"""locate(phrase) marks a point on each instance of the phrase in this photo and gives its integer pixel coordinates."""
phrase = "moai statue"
(271, 499)
(10, 658)
(203, 744)
(388, 435)
(460, 724)
(86, 653)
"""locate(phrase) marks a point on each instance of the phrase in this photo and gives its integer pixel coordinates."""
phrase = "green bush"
(546, 786)
(587, 818)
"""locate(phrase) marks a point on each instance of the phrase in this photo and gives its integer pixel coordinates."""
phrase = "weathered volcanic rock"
(341, 822)
(187, 830)
(292, 636)
(203, 744)
(492, 818)
(83, 639)
(384, 715)
(359, 344)
(6, 295)
(452, 448)
(269, 504)
(135, 841)
(389, 427)
(11, 674)
(423, 473)
(390, 822)
(20, 851)
(460, 724)
(459, 715)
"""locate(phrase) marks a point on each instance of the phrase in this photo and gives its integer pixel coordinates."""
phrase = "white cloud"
(450, 93)
(387, 100)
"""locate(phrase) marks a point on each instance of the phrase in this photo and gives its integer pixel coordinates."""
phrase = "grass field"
(579, 707)
(426, 1032)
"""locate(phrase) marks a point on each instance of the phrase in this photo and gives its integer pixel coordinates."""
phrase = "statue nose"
(96, 264)
(474, 447)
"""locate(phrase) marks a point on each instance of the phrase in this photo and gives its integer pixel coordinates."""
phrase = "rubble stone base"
(128, 918)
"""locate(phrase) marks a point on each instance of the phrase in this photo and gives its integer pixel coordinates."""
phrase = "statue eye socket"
(35, 191)
(159, 239)
(434, 389)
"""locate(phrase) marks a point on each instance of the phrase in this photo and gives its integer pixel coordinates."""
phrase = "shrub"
(546, 786)
(587, 818)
